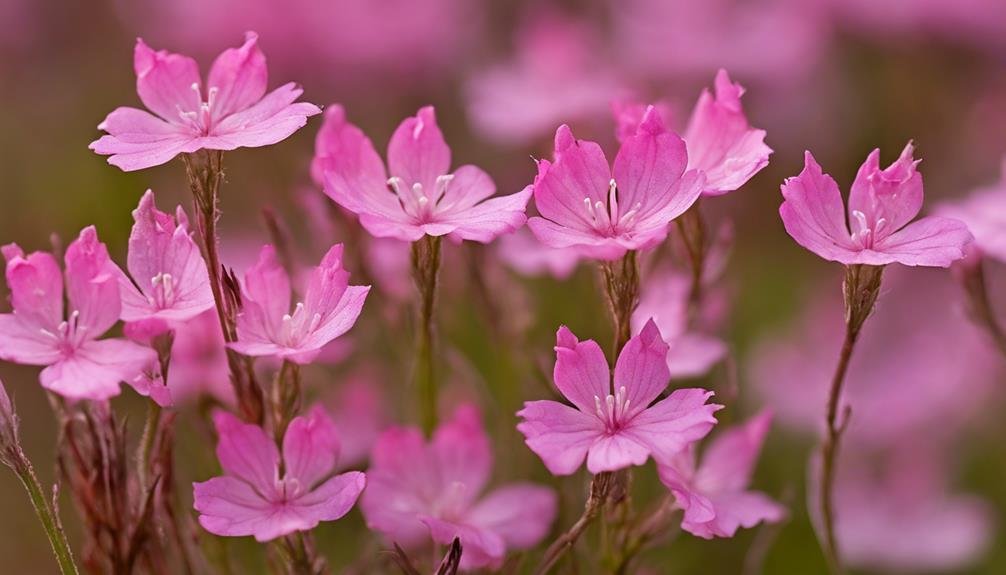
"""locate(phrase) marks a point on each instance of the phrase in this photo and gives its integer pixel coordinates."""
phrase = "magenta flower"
(424, 198)
(612, 423)
(171, 283)
(263, 496)
(720, 140)
(714, 495)
(419, 490)
(881, 205)
(232, 110)
(267, 327)
(605, 211)
(78, 364)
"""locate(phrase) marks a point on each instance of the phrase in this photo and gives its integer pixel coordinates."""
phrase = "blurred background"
(925, 489)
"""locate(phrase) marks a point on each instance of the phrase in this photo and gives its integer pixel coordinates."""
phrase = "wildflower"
(605, 211)
(419, 490)
(714, 495)
(267, 327)
(254, 497)
(78, 364)
(612, 423)
(231, 110)
(422, 197)
(984, 212)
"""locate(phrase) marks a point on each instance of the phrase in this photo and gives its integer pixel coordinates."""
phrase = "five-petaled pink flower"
(232, 110)
(881, 205)
(171, 283)
(417, 491)
(612, 423)
(78, 364)
(264, 496)
(422, 197)
(714, 495)
(605, 211)
(720, 141)
(267, 327)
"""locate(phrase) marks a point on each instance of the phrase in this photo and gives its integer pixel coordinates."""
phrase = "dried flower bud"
(10, 446)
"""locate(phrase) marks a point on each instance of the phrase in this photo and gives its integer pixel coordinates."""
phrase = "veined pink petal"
(671, 424)
(268, 121)
(417, 152)
(720, 141)
(92, 284)
(587, 243)
(614, 452)
(268, 286)
(36, 286)
(581, 371)
(350, 169)
(648, 167)
(559, 434)
(246, 452)
(693, 355)
(131, 156)
(332, 499)
(24, 342)
(813, 213)
(481, 547)
(930, 241)
(168, 84)
(729, 461)
(310, 447)
(96, 368)
(239, 78)
(579, 172)
(484, 222)
(682, 195)
(520, 513)
(641, 369)
(400, 480)
(230, 507)
(889, 198)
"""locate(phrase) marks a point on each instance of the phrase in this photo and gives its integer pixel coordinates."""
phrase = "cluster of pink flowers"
(195, 330)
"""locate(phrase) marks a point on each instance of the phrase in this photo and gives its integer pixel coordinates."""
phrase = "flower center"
(69, 334)
(416, 202)
(608, 219)
(200, 119)
(162, 291)
(296, 326)
(612, 410)
(863, 234)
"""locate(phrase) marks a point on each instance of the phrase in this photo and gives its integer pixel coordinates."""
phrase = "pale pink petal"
(270, 120)
(559, 434)
(230, 507)
(813, 213)
(96, 368)
(239, 77)
(137, 139)
(469, 185)
(733, 511)
(614, 452)
(268, 286)
(527, 256)
(398, 227)
(23, 342)
(672, 424)
(310, 447)
(720, 141)
(581, 371)
(168, 84)
(580, 172)
(480, 547)
(681, 196)
(400, 481)
(332, 499)
(930, 241)
(491, 218)
(462, 452)
(893, 195)
(342, 317)
(36, 287)
(693, 355)
(641, 369)
(92, 284)
(586, 243)
(729, 461)
(520, 513)
(648, 167)
(417, 152)
(246, 452)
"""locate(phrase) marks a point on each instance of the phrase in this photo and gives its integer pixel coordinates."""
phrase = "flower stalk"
(971, 274)
(286, 399)
(621, 289)
(601, 487)
(693, 236)
(861, 289)
(425, 270)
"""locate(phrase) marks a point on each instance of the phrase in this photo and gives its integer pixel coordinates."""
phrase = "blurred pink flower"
(359, 410)
(171, 283)
(980, 23)
(554, 77)
(427, 199)
(233, 110)
(78, 364)
(665, 302)
(199, 361)
(419, 490)
(266, 327)
(606, 211)
(899, 515)
(881, 205)
(984, 212)
(714, 495)
(261, 495)
(527, 256)
(612, 423)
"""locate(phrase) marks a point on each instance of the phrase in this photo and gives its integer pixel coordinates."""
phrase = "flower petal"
(581, 371)
(893, 194)
(520, 513)
(642, 369)
(930, 241)
(559, 434)
(417, 152)
(92, 284)
(671, 425)
(480, 547)
(239, 77)
(462, 452)
(310, 447)
(648, 167)
(580, 171)
(614, 452)
(96, 369)
(168, 84)
(729, 461)
(813, 214)
(246, 452)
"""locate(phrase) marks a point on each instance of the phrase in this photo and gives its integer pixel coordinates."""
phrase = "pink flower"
(232, 110)
(984, 212)
(425, 198)
(881, 205)
(604, 212)
(199, 361)
(78, 364)
(714, 494)
(261, 495)
(171, 283)
(720, 141)
(529, 257)
(612, 423)
(665, 302)
(266, 326)
(359, 410)
(419, 490)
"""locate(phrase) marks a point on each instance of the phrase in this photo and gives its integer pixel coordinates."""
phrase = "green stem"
(425, 269)
(46, 514)
(621, 290)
